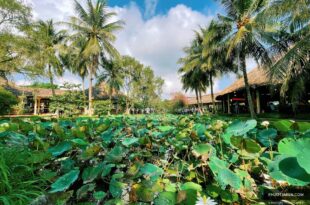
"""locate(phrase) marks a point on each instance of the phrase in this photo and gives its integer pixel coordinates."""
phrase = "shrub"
(102, 107)
(7, 101)
(71, 103)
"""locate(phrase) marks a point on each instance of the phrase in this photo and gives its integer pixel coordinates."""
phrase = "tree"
(14, 15)
(7, 101)
(147, 90)
(112, 75)
(291, 47)
(48, 43)
(194, 77)
(94, 23)
(132, 71)
(246, 36)
(215, 62)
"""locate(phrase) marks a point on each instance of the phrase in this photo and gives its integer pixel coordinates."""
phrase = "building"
(265, 94)
(206, 101)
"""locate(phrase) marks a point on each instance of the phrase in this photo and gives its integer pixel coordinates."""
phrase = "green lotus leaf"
(129, 141)
(227, 177)
(165, 198)
(115, 155)
(203, 149)
(191, 186)
(282, 125)
(240, 128)
(267, 136)
(152, 171)
(106, 170)
(82, 192)
(65, 181)
(213, 190)
(245, 144)
(79, 142)
(116, 188)
(292, 147)
(216, 165)
(60, 148)
(286, 168)
(91, 173)
(303, 159)
(165, 128)
(99, 195)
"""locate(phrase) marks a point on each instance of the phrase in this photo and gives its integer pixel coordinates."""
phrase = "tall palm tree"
(291, 49)
(49, 46)
(94, 23)
(215, 62)
(247, 37)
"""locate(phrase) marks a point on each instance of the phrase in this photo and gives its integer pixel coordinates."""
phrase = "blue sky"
(155, 33)
(163, 6)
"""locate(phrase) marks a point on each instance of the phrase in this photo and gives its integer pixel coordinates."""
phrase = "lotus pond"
(157, 159)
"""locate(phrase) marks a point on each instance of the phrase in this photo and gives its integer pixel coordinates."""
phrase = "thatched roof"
(256, 77)
(206, 99)
(28, 91)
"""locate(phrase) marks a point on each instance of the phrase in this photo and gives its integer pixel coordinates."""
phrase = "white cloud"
(156, 41)
(159, 41)
(150, 7)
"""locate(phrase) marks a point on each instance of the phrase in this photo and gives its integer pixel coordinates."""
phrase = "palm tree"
(195, 80)
(75, 62)
(215, 62)
(291, 49)
(247, 37)
(48, 43)
(112, 75)
(94, 23)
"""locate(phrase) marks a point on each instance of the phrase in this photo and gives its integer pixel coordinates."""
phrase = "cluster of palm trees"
(273, 32)
(82, 48)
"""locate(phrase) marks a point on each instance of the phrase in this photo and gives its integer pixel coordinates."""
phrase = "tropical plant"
(291, 47)
(112, 76)
(102, 107)
(48, 46)
(7, 101)
(69, 104)
(94, 24)
(247, 37)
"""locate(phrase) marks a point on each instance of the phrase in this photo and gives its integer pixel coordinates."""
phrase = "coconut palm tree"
(49, 46)
(195, 80)
(247, 36)
(291, 48)
(94, 23)
(212, 53)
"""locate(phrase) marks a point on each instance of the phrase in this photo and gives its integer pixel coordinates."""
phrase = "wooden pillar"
(228, 104)
(258, 109)
(35, 107)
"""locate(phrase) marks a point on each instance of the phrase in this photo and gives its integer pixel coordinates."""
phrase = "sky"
(155, 33)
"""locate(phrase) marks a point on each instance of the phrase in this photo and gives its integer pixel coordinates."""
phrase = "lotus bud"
(265, 124)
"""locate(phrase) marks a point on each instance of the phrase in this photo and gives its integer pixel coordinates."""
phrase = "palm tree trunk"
(247, 86)
(212, 94)
(90, 93)
(110, 105)
(197, 99)
(50, 75)
(200, 99)
(84, 96)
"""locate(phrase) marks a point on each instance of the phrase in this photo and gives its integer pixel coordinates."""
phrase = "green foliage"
(160, 159)
(18, 182)
(102, 107)
(7, 101)
(71, 103)
(43, 85)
